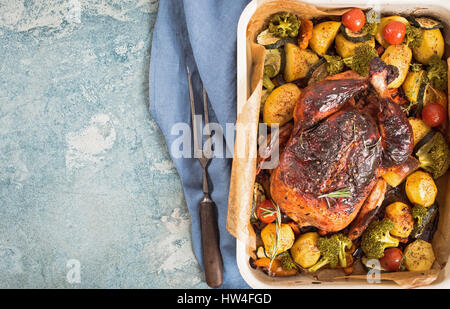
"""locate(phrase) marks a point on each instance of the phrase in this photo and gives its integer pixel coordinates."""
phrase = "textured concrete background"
(84, 171)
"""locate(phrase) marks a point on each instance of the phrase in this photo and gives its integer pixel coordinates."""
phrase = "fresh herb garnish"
(336, 194)
(268, 212)
(277, 235)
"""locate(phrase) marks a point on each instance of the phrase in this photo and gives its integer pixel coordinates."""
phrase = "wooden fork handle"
(212, 258)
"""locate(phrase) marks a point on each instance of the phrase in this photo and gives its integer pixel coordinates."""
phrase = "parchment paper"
(244, 163)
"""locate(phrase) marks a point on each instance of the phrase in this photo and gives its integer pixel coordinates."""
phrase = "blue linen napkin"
(200, 34)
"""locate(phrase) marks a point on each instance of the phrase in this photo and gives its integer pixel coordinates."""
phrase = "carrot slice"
(275, 269)
(306, 31)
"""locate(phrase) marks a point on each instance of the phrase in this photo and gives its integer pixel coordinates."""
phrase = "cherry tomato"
(394, 32)
(392, 259)
(433, 114)
(354, 19)
(266, 212)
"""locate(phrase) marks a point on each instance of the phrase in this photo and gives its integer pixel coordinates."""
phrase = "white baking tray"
(256, 278)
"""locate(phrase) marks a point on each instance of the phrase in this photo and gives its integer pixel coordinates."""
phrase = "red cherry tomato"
(266, 212)
(392, 259)
(354, 19)
(434, 114)
(394, 32)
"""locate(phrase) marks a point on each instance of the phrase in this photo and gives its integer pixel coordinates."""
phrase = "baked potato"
(413, 85)
(399, 56)
(421, 189)
(280, 104)
(419, 256)
(432, 44)
(298, 62)
(323, 36)
(420, 129)
(400, 214)
(346, 48)
(304, 251)
(269, 238)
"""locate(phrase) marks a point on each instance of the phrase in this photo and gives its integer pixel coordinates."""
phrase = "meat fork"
(212, 258)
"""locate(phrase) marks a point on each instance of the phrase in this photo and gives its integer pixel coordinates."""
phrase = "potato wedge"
(269, 238)
(280, 104)
(412, 85)
(346, 48)
(304, 251)
(432, 44)
(419, 256)
(399, 56)
(400, 214)
(298, 62)
(323, 36)
(383, 22)
(421, 189)
(420, 129)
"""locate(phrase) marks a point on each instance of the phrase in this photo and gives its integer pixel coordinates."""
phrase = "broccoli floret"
(284, 25)
(377, 238)
(333, 251)
(437, 73)
(370, 28)
(421, 218)
(419, 213)
(335, 64)
(413, 37)
(359, 63)
(287, 263)
(434, 156)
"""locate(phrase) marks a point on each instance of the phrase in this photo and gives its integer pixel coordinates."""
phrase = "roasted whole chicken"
(347, 133)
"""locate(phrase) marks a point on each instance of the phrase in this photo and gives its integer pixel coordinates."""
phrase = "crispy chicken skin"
(337, 144)
(326, 98)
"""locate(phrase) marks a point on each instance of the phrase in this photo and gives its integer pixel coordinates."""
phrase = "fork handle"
(212, 258)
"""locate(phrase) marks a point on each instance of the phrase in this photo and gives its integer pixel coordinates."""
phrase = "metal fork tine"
(205, 109)
(208, 150)
(197, 151)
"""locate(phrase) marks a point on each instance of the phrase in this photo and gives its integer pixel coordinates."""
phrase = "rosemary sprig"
(338, 194)
(277, 235)
(268, 212)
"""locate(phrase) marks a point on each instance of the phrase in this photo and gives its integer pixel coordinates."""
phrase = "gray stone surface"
(85, 174)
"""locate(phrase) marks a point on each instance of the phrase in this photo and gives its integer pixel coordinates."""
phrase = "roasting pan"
(256, 278)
